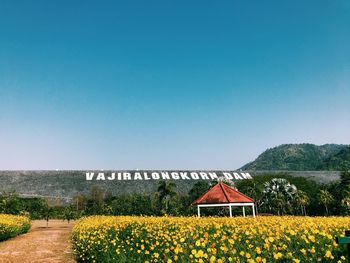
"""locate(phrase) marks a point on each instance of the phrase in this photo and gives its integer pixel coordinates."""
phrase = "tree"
(166, 192)
(252, 188)
(122, 205)
(68, 214)
(302, 200)
(345, 203)
(95, 203)
(325, 198)
(345, 178)
(278, 195)
(47, 214)
(10, 203)
(198, 189)
(34, 206)
(79, 201)
(141, 204)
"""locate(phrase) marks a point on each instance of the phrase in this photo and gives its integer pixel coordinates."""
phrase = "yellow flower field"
(11, 225)
(191, 239)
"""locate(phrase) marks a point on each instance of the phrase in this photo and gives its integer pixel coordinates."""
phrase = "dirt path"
(40, 244)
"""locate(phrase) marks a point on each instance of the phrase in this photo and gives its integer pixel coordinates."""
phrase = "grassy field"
(190, 239)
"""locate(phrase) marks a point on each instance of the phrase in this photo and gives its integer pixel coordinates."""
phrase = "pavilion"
(224, 195)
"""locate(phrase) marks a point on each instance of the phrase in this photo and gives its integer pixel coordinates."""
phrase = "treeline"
(298, 195)
(100, 202)
(34, 207)
(282, 194)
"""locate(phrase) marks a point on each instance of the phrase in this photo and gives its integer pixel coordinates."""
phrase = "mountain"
(303, 157)
(338, 161)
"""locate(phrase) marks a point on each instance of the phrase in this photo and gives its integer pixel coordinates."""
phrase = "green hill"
(338, 161)
(303, 157)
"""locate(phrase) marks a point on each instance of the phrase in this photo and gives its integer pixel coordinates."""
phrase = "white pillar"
(230, 210)
(199, 211)
(253, 208)
(256, 209)
(243, 211)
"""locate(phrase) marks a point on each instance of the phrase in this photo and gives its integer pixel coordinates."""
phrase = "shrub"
(13, 225)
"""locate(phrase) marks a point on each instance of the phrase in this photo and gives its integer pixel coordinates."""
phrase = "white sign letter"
(89, 176)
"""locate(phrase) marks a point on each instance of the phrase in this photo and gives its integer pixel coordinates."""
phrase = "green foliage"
(303, 157)
(10, 203)
(302, 200)
(34, 206)
(337, 162)
(345, 183)
(132, 204)
(198, 189)
(309, 198)
(13, 225)
(166, 192)
(255, 187)
(325, 198)
(47, 213)
(278, 195)
(95, 202)
(79, 202)
(69, 214)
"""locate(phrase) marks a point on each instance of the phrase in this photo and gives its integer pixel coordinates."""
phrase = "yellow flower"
(328, 254)
(208, 239)
(277, 255)
(199, 254)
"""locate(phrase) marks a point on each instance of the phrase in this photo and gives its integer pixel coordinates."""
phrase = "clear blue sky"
(169, 84)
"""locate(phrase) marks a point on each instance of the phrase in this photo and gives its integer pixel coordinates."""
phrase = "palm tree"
(278, 199)
(302, 200)
(278, 193)
(325, 198)
(166, 192)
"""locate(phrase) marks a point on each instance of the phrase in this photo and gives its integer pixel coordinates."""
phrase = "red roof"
(222, 193)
